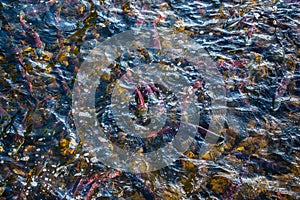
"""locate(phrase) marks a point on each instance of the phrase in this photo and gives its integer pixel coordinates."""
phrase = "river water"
(252, 46)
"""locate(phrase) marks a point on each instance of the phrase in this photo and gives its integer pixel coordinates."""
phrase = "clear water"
(254, 46)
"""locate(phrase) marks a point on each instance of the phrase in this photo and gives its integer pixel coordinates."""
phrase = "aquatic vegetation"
(255, 47)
